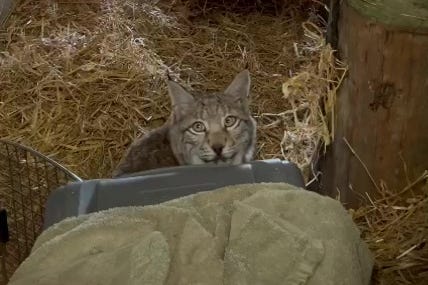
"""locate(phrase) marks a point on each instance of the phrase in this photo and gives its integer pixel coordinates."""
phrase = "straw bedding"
(81, 79)
(396, 228)
(80, 82)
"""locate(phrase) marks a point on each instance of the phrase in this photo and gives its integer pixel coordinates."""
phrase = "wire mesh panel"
(6, 8)
(26, 179)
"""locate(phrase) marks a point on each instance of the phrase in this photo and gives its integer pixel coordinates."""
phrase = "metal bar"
(36, 153)
(48, 186)
(56, 177)
(21, 194)
(15, 219)
(30, 188)
(39, 188)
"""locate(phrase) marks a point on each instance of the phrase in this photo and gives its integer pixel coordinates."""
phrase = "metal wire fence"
(26, 179)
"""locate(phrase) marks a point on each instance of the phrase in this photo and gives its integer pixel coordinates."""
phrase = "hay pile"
(79, 81)
(396, 228)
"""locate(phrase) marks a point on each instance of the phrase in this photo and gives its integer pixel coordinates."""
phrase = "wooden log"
(382, 105)
(333, 17)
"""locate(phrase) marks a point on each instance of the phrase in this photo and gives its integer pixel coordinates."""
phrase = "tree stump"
(333, 16)
(381, 121)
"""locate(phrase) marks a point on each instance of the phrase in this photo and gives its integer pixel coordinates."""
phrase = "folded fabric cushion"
(244, 234)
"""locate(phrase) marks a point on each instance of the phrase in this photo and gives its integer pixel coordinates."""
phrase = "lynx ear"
(240, 86)
(179, 96)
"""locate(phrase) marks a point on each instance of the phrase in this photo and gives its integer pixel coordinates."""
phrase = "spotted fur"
(214, 128)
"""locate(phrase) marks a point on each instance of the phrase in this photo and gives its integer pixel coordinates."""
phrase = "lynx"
(203, 128)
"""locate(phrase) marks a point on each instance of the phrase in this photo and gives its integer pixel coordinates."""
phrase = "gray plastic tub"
(160, 185)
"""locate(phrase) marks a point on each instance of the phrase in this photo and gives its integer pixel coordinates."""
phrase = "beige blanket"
(246, 234)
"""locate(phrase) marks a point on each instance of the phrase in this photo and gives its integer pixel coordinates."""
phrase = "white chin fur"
(239, 158)
(195, 160)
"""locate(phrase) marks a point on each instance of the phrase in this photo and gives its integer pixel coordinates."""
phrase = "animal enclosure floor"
(81, 81)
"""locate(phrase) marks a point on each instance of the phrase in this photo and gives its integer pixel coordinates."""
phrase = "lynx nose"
(218, 149)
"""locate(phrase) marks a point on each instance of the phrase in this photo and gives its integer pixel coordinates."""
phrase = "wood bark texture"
(382, 106)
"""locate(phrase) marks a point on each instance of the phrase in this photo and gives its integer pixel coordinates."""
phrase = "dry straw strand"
(80, 80)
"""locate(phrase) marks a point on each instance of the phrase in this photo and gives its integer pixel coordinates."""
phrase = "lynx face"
(213, 128)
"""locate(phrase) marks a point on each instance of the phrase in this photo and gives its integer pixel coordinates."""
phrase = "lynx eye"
(198, 127)
(230, 121)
